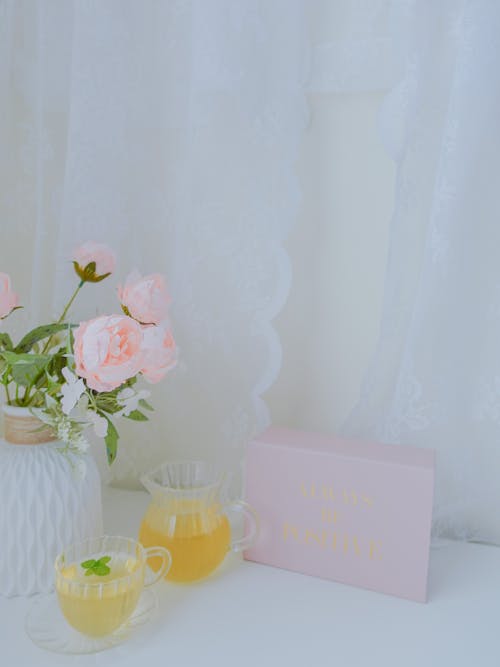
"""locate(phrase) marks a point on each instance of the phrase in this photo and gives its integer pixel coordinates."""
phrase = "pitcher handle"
(166, 557)
(245, 542)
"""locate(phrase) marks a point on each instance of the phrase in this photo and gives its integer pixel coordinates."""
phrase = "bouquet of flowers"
(72, 376)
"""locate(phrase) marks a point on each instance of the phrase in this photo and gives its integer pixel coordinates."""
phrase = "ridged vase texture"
(44, 506)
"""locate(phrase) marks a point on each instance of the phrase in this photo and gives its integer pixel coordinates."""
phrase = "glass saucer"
(47, 628)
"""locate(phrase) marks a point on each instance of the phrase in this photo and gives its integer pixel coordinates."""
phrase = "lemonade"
(98, 604)
(197, 536)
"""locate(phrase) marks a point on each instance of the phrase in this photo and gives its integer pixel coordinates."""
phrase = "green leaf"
(57, 363)
(111, 440)
(90, 268)
(97, 279)
(38, 334)
(137, 416)
(88, 274)
(25, 368)
(11, 311)
(70, 341)
(37, 400)
(107, 402)
(146, 405)
(97, 567)
(6, 341)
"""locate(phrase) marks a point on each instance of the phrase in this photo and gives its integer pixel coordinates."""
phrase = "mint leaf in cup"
(98, 567)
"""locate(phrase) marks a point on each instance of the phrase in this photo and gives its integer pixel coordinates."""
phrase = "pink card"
(356, 512)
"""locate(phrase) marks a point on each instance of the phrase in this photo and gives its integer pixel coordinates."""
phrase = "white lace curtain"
(170, 129)
(435, 377)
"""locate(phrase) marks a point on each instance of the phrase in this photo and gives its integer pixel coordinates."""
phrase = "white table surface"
(250, 614)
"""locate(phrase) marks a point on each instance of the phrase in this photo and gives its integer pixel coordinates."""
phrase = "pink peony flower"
(8, 299)
(159, 353)
(146, 299)
(94, 261)
(108, 351)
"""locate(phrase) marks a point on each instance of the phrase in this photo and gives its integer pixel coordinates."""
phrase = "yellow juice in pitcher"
(197, 536)
(98, 605)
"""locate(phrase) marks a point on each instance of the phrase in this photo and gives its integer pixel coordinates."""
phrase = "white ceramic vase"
(44, 504)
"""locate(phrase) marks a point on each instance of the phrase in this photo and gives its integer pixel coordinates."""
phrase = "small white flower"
(125, 394)
(71, 390)
(99, 423)
(50, 401)
(129, 399)
(79, 443)
(63, 431)
(83, 405)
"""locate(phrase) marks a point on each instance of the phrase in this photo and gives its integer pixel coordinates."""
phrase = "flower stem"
(27, 397)
(70, 302)
(64, 313)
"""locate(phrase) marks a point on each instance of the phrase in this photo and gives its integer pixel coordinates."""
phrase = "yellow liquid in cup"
(198, 538)
(99, 610)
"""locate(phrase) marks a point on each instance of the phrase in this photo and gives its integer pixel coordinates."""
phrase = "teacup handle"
(248, 511)
(166, 557)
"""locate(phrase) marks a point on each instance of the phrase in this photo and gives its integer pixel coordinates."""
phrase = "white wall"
(338, 250)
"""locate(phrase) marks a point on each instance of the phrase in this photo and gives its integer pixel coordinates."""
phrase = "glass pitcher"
(187, 516)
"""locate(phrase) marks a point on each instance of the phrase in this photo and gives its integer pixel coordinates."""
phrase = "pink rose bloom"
(103, 257)
(159, 353)
(108, 351)
(8, 299)
(146, 299)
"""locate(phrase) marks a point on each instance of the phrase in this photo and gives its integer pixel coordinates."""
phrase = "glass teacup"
(188, 517)
(99, 581)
